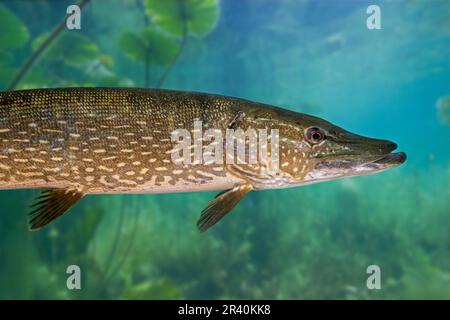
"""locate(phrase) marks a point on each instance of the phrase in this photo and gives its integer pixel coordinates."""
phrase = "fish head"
(329, 152)
(313, 150)
(337, 153)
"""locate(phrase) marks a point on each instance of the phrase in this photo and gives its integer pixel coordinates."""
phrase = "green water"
(312, 242)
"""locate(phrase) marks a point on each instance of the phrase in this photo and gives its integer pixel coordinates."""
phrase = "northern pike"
(73, 142)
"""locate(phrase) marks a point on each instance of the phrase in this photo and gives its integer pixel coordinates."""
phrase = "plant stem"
(141, 6)
(182, 45)
(136, 212)
(147, 68)
(117, 236)
(39, 51)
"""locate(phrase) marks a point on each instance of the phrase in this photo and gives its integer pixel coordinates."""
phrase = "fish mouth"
(382, 163)
(388, 159)
(393, 158)
(367, 153)
(359, 162)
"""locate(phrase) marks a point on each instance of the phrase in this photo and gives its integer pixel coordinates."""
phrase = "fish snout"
(386, 146)
(365, 145)
(392, 159)
(378, 152)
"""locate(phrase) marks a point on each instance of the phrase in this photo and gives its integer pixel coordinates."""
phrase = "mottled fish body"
(78, 141)
(105, 140)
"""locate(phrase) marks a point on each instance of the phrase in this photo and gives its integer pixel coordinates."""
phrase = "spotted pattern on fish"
(64, 128)
(78, 141)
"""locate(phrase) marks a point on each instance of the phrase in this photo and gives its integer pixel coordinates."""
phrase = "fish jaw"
(337, 167)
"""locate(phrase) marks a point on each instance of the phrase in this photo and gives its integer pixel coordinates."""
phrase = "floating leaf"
(13, 32)
(150, 44)
(198, 16)
(72, 48)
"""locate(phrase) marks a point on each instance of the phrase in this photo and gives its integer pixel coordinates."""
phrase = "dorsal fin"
(51, 204)
(223, 203)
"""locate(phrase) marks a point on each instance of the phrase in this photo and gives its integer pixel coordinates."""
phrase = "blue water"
(315, 242)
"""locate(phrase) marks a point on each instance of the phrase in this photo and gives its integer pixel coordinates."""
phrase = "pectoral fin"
(51, 204)
(223, 203)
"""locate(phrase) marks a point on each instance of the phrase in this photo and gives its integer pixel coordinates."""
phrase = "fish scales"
(105, 140)
(79, 141)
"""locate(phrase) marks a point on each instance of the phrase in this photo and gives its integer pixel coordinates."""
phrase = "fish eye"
(314, 135)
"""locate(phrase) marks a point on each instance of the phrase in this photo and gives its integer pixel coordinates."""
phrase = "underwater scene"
(377, 68)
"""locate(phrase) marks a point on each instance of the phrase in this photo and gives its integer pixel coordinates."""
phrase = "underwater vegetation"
(170, 20)
(303, 243)
(443, 105)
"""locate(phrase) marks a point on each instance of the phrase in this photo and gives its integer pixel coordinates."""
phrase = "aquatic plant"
(74, 48)
(14, 35)
(152, 45)
(180, 17)
(10, 25)
(66, 57)
(443, 105)
(72, 58)
(158, 289)
(41, 49)
(309, 242)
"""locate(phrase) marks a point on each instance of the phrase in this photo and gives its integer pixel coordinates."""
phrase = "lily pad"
(72, 48)
(150, 44)
(198, 16)
(13, 32)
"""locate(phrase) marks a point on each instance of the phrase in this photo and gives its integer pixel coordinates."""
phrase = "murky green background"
(310, 242)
